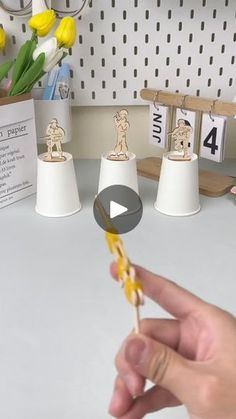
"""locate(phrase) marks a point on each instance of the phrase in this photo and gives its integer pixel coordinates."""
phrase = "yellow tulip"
(2, 38)
(66, 32)
(42, 23)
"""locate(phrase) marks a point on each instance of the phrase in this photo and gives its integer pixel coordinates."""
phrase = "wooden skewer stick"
(194, 103)
(136, 319)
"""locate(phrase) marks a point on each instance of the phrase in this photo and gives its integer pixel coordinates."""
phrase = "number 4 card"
(212, 142)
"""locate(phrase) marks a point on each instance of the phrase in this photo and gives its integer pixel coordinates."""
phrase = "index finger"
(176, 300)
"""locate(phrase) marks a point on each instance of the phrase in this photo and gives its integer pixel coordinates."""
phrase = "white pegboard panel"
(186, 46)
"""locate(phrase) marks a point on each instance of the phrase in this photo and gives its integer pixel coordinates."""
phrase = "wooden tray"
(210, 183)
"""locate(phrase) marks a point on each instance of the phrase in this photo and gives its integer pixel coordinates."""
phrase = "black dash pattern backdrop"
(185, 46)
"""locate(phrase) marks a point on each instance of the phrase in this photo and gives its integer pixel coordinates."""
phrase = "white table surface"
(62, 318)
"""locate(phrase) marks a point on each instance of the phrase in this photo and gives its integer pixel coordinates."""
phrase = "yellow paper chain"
(126, 272)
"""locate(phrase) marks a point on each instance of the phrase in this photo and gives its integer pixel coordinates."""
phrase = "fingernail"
(134, 351)
(132, 385)
(114, 403)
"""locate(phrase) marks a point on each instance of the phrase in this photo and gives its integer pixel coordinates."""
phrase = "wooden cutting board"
(210, 183)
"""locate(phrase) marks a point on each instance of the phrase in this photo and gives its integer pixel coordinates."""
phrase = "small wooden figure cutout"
(54, 137)
(121, 147)
(181, 135)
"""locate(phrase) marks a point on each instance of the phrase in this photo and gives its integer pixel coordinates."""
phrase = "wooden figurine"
(181, 135)
(121, 147)
(54, 137)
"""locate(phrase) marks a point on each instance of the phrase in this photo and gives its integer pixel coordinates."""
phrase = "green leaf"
(28, 88)
(30, 59)
(26, 80)
(5, 68)
(35, 81)
(22, 60)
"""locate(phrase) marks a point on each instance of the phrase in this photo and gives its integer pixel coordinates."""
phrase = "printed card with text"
(158, 123)
(18, 151)
(212, 142)
(189, 118)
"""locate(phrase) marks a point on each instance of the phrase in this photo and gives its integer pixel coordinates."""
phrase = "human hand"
(191, 359)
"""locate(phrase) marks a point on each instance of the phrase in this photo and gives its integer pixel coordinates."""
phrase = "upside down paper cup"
(118, 172)
(57, 192)
(178, 188)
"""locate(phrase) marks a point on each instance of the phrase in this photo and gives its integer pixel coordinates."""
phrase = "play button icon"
(118, 208)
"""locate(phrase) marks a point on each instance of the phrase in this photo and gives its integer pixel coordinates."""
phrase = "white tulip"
(48, 65)
(52, 53)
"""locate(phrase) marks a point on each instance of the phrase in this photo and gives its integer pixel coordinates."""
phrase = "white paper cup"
(57, 192)
(115, 172)
(178, 189)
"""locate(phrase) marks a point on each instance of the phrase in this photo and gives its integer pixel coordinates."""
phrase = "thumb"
(162, 365)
